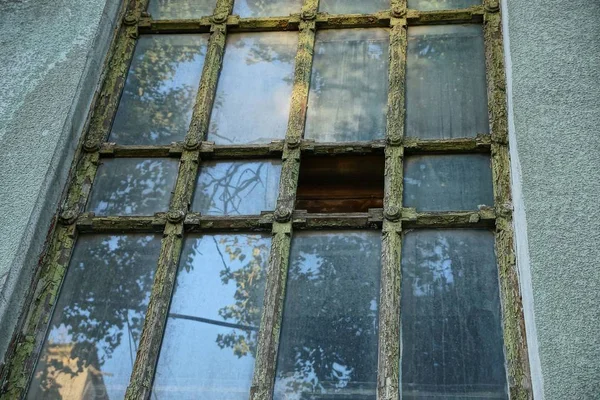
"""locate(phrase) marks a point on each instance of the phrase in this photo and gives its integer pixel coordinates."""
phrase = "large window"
(286, 199)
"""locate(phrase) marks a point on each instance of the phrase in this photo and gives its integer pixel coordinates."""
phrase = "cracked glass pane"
(328, 345)
(453, 182)
(237, 187)
(349, 86)
(160, 91)
(133, 186)
(210, 341)
(253, 97)
(446, 92)
(98, 319)
(452, 344)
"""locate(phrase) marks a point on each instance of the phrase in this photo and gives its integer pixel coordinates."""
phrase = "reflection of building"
(65, 380)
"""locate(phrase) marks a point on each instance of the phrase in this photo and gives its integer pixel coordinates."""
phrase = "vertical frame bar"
(140, 385)
(515, 343)
(268, 337)
(388, 379)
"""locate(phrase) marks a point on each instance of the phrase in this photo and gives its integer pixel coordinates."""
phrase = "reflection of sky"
(180, 9)
(274, 8)
(254, 93)
(428, 5)
(353, 6)
(191, 363)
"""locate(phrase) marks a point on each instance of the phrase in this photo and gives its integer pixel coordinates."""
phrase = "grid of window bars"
(197, 167)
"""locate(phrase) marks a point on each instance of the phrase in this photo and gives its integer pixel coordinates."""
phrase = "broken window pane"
(254, 92)
(98, 319)
(180, 9)
(349, 86)
(448, 182)
(445, 82)
(266, 8)
(210, 341)
(353, 6)
(160, 91)
(451, 323)
(237, 187)
(429, 5)
(328, 345)
(133, 186)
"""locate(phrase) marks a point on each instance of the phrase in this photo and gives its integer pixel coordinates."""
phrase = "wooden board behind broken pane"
(446, 92)
(452, 344)
(210, 340)
(348, 90)
(255, 87)
(160, 91)
(328, 343)
(133, 186)
(98, 319)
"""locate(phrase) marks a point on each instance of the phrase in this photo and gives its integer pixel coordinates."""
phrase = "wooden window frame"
(393, 219)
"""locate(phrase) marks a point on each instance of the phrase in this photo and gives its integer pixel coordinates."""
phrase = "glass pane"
(266, 8)
(328, 345)
(237, 188)
(210, 341)
(180, 9)
(429, 5)
(98, 319)
(133, 186)
(160, 91)
(445, 82)
(353, 6)
(448, 182)
(349, 84)
(451, 332)
(255, 88)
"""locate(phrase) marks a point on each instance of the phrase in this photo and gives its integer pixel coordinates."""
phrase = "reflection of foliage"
(427, 5)
(156, 107)
(101, 307)
(450, 296)
(180, 9)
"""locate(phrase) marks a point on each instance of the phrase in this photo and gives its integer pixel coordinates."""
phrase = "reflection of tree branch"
(213, 322)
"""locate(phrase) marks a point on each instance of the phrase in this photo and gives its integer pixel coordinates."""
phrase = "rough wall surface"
(51, 57)
(555, 142)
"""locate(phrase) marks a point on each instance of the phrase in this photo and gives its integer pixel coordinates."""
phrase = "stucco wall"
(51, 54)
(554, 93)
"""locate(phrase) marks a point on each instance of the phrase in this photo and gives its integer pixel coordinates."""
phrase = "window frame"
(393, 220)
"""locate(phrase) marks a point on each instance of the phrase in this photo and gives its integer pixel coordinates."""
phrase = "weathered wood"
(478, 144)
(356, 220)
(484, 218)
(388, 372)
(460, 16)
(89, 223)
(515, 343)
(194, 222)
(116, 150)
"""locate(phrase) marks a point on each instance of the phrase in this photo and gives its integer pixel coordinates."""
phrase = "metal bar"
(388, 371)
(212, 322)
(515, 343)
(144, 368)
(268, 336)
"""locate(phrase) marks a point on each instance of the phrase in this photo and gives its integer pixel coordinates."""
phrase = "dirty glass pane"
(451, 330)
(254, 92)
(348, 90)
(133, 186)
(180, 9)
(430, 5)
(98, 319)
(210, 341)
(445, 82)
(353, 6)
(237, 188)
(328, 345)
(266, 8)
(448, 182)
(160, 91)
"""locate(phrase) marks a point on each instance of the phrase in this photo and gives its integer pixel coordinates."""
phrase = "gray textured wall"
(554, 73)
(51, 54)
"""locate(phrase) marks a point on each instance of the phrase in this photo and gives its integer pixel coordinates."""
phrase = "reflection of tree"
(101, 308)
(450, 297)
(180, 9)
(156, 106)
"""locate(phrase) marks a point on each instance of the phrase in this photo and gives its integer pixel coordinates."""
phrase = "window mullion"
(515, 342)
(268, 337)
(388, 379)
(144, 368)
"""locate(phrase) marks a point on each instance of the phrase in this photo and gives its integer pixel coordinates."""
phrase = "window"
(286, 199)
